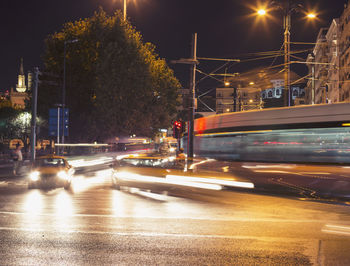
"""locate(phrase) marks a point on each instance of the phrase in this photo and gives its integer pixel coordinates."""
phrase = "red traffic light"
(178, 124)
(177, 129)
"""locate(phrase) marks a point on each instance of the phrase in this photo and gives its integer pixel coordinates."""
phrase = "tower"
(21, 85)
(18, 96)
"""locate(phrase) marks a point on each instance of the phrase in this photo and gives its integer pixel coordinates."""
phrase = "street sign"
(55, 117)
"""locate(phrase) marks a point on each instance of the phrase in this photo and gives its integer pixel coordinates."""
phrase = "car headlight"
(63, 175)
(34, 176)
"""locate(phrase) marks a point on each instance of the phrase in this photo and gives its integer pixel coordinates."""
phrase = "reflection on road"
(80, 183)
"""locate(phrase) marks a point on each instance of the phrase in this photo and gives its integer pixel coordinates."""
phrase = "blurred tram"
(301, 134)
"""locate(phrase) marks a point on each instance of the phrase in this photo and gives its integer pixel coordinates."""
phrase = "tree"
(7, 114)
(116, 83)
(15, 124)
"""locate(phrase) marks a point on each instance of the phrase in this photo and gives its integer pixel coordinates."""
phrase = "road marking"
(152, 234)
(233, 219)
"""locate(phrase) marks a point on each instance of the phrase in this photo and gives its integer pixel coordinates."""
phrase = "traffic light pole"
(34, 110)
(190, 130)
(193, 100)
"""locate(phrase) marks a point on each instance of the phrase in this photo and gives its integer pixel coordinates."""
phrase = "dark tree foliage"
(7, 114)
(115, 83)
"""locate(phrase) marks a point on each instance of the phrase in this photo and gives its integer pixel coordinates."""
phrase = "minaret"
(21, 85)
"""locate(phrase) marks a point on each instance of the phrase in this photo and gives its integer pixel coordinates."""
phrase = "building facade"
(321, 67)
(344, 60)
(333, 40)
(224, 100)
(19, 96)
(237, 99)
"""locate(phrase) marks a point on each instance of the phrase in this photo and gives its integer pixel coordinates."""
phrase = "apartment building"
(321, 67)
(344, 60)
(333, 39)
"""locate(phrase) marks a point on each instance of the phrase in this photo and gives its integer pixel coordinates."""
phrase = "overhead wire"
(258, 56)
(207, 75)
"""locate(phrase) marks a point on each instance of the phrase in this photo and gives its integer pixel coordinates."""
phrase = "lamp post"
(288, 7)
(124, 10)
(64, 83)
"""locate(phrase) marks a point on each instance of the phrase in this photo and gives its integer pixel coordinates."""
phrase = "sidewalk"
(6, 169)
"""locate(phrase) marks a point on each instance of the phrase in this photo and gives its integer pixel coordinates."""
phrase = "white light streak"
(212, 180)
(336, 229)
(169, 180)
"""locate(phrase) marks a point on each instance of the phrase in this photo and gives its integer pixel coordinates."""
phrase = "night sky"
(224, 27)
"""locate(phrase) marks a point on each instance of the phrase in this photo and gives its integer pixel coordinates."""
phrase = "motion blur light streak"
(199, 163)
(313, 173)
(336, 229)
(129, 208)
(119, 157)
(169, 180)
(191, 182)
(150, 195)
(212, 180)
(273, 171)
(268, 166)
(84, 163)
(81, 183)
(137, 177)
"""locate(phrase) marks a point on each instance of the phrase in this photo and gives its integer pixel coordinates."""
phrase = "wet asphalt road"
(94, 224)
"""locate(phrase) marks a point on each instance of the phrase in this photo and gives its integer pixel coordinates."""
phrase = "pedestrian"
(17, 159)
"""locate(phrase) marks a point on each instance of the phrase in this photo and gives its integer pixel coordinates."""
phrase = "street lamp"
(124, 10)
(64, 83)
(287, 7)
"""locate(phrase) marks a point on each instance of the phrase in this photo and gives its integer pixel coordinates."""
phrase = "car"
(163, 173)
(167, 148)
(50, 171)
(126, 170)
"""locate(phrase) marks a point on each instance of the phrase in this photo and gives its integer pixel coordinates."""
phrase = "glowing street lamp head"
(311, 15)
(261, 12)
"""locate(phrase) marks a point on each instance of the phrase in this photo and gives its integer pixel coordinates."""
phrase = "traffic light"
(177, 129)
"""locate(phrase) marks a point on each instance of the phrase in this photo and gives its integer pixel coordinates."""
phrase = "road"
(98, 225)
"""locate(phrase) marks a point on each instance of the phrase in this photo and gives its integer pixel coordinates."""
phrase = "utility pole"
(313, 84)
(64, 86)
(34, 109)
(193, 100)
(287, 23)
(193, 62)
(63, 93)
